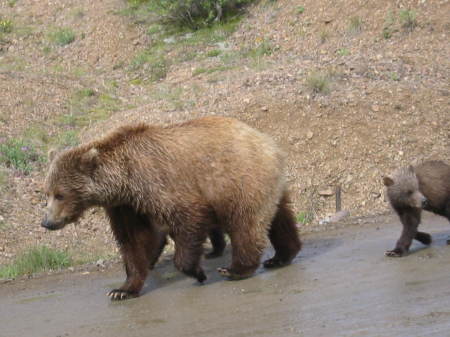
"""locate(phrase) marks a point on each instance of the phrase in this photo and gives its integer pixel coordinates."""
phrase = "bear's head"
(69, 186)
(403, 189)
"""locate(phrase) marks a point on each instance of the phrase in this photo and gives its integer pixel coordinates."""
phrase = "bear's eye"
(59, 197)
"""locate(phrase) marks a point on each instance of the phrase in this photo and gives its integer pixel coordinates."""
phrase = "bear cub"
(413, 189)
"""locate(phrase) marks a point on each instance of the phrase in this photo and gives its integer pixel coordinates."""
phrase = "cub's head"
(69, 186)
(403, 189)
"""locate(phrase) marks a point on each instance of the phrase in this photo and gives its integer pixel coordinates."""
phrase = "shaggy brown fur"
(184, 179)
(411, 190)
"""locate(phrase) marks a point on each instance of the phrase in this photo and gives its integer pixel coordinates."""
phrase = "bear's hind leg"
(410, 220)
(217, 238)
(158, 249)
(188, 252)
(283, 235)
(423, 237)
(247, 245)
(137, 240)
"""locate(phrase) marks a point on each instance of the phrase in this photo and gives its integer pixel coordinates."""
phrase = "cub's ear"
(387, 181)
(51, 154)
(89, 161)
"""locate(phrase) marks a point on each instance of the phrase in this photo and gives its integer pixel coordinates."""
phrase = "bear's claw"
(393, 253)
(120, 295)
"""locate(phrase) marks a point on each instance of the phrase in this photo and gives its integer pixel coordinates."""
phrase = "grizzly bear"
(183, 179)
(413, 189)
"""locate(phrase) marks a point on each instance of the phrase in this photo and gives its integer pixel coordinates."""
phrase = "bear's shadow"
(165, 272)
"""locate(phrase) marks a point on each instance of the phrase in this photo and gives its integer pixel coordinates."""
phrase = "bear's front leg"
(137, 239)
(410, 220)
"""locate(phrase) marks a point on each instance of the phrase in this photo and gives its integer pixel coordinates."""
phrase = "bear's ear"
(89, 161)
(387, 181)
(51, 154)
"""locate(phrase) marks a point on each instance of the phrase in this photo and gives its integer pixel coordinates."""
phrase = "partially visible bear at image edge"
(183, 180)
(413, 189)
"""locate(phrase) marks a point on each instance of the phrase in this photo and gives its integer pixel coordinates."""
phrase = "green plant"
(196, 14)
(355, 25)
(6, 26)
(318, 82)
(12, 3)
(265, 48)
(408, 19)
(34, 260)
(394, 76)
(62, 36)
(304, 217)
(213, 53)
(300, 10)
(18, 154)
(343, 52)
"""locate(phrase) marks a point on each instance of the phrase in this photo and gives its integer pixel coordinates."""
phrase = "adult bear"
(182, 179)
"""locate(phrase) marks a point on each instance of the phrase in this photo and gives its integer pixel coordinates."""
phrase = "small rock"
(264, 108)
(309, 134)
(375, 108)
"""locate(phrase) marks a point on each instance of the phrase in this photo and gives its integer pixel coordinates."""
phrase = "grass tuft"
(62, 36)
(318, 82)
(18, 154)
(35, 260)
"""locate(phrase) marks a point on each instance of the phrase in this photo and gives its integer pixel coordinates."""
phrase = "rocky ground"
(351, 90)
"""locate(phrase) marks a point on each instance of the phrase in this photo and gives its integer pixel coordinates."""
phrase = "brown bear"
(183, 179)
(413, 189)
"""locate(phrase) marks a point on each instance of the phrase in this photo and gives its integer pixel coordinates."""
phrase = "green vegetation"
(343, 52)
(18, 154)
(265, 48)
(87, 106)
(153, 62)
(318, 82)
(213, 53)
(388, 28)
(304, 217)
(6, 26)
(192, 14)
(408, 19)
(355, 25)
(394, 76)
(34, 260)
(62, 36)
(300, 10)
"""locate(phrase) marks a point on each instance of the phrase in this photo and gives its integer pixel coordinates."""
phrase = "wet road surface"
(341, 284)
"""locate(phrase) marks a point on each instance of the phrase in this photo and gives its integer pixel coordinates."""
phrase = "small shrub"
(18, 154)
(355, 25)
(408, 19)
(195, 14)
(62, 36)
(6, 26)
(318, 82)
(394, 76)
(34, 260)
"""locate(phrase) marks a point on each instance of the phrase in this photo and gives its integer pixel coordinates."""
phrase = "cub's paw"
(275, 262)
(120, 295)
(394, 253)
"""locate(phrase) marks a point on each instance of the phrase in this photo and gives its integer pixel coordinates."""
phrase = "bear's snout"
(50, 224)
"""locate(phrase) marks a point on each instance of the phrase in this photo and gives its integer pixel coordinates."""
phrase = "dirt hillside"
(350, 89)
